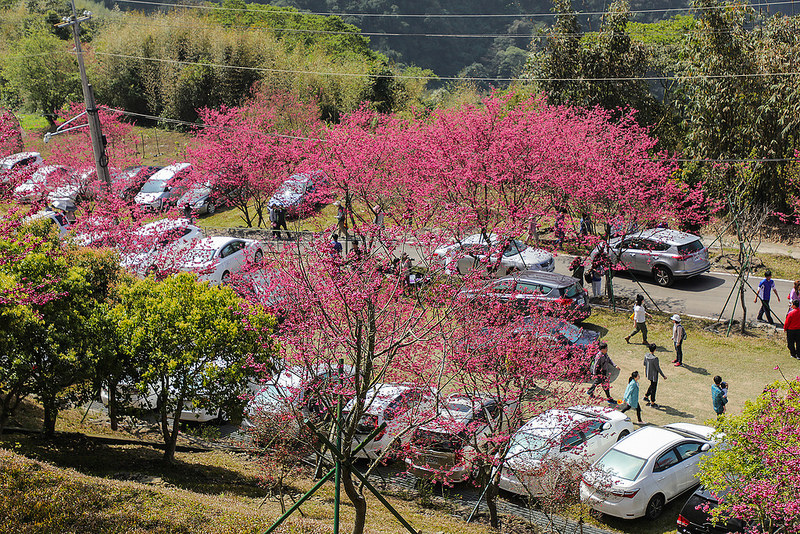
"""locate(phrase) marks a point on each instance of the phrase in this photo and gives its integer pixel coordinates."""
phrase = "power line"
(455, 78)
(439, 15)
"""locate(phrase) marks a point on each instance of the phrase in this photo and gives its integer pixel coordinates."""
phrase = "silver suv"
(666, 254)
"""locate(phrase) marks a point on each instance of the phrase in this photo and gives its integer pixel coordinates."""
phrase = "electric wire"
(444, 15)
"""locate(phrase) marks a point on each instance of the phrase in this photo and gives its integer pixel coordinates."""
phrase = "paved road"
(704, 295)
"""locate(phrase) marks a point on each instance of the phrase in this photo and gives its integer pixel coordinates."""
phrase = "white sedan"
(499, 258)
(557, 446)
(652, 466)
(216, 258)
(42, 182)
(158, 246)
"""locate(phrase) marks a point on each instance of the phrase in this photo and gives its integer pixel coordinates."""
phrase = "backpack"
(588, 277)
(596, 362)
(683, 332)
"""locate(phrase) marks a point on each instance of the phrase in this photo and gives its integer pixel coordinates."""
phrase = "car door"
(630, 254)
(598, 438)
(471, 256)
(666, 473)
(690, 453)
(529, 293)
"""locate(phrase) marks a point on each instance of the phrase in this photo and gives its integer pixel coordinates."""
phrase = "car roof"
(551, 279)
(218, 241)
(163, 225)
(555, 421)
(13, 158)
(169, 171)
(649, 440)
(666, 235)
(694, 430)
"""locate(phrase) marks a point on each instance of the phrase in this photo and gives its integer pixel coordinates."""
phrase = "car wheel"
(211, 208)
(623, 435)
(259, 255)
(226, 277)
(655, 507)
(663, 276)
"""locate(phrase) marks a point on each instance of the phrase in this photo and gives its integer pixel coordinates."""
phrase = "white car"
(558, 445)
(159, 246)
(128, 395)
(401, 407)
(292, 390)
(59, 220)
(652, 466)
(159, 190)
(17, 161)
(216, 258)
(78, 185)
(41, 182)
(499, 258)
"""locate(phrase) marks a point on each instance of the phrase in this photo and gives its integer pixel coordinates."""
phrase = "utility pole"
(92, 116)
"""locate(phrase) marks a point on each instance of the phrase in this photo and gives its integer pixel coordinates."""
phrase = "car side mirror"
(705, 448)
(606, 425)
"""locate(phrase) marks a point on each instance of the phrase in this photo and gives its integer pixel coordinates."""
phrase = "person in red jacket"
(792, 328)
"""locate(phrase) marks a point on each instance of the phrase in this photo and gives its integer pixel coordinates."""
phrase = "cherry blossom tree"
(10, 133)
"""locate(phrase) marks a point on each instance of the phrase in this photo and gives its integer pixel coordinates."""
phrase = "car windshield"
(457, 407)
(293, 186)
(533, 445)
(569, 331)
(153, 186)
(621, 464)
(514, 247)
(694, 246)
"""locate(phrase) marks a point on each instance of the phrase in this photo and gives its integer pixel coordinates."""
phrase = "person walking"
(639, 320)
(341, 219)
(597, 280)
(678, 335)
(379, 216)
(719, 395)
(652, 368)
(601, 366)
(273, 220)
(631, 398)
(281, 220)
(765, 289)
(794, 294)
(792, 328)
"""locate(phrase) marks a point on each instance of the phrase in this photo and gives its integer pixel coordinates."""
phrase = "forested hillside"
(490, 46)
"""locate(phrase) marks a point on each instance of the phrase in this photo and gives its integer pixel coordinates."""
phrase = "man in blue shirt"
(336, 247)
(765, 288)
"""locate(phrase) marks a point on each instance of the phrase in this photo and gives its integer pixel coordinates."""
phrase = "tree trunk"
(10, 403)
(112, 405)
(50, 414)
(491, 504)
(359, 503)
(744, 308)
(169, 449)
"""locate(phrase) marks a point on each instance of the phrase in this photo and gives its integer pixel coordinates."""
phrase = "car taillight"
(683, 257)
(380, 435)
(682, 521)
(564, 301)
(627, 494)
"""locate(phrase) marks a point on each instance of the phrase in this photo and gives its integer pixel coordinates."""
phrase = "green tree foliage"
(39, 69)
(731, 107)
(569, 59)
(193, 345)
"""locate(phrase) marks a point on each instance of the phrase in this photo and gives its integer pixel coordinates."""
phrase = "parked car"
(695, 516)
(199, 198)
(58, 219)
(445, 448)
(14, 162)
(159, 191)
(80, 185)
(298, 193)
(216, 258)
(41, 182)
(399, 406)
(128, 395)
(129, 181)
(651, 467)
(556, 447)
(293, 390)
(665, 254)
(158, 247)
(500, 258)
(530, 288)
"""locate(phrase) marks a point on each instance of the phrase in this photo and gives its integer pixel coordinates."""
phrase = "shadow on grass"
(189, 471)
(665, 523)
(697, 370)
(669, 410)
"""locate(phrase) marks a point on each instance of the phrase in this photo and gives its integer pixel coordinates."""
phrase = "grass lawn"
(747, 363)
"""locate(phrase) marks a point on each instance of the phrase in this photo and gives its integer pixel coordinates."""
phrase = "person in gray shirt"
(652, 368)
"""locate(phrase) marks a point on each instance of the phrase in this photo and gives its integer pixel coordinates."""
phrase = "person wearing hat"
(678, 335)
(379, 215)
